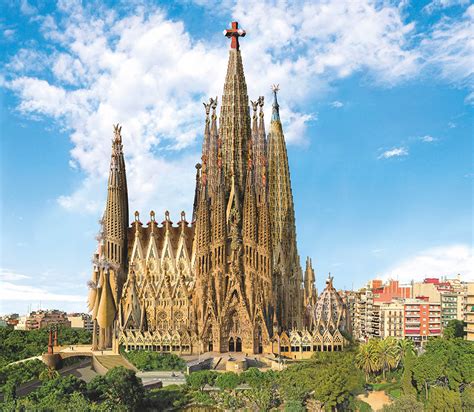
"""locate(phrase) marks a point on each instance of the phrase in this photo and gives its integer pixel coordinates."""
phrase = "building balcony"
(412, 331)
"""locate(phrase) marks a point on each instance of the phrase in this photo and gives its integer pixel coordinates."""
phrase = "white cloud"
(469, 98)
(27, 8)
(14, 292)
(443, 4)
(428, 139)
(10, 275)
(142, 69)
(16, 287)
(336, 104)
(395, 152)
(448, 50)
(436, 262)
(8, 33)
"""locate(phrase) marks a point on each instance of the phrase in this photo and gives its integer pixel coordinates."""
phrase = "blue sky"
(376, 99)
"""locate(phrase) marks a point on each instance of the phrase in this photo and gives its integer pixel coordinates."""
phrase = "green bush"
(155, 361)
(361, 406)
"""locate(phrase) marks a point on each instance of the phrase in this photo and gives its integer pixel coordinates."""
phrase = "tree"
(407, 377)
(228, 381)
(365, 359)
(407, 403)
(387, 354)
(48, 374)
(97, 389)
(21, 344)
(9, 391)
(454, 329)
(426, 370)
(124, 388)
(446, 362)
(443, 399)
(467, 398)
(405, 347)
(329, 378)
(263, 394)
(198, 380)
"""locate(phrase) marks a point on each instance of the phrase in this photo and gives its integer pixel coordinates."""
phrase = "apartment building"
(422, 319)
(43, 318)
(392, 316)
(469, 312)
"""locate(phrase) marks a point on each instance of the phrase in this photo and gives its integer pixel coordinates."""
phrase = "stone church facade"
(229, 280)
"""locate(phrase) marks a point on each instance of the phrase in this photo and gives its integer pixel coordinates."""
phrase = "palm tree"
(387, 354)
(365, 359)
(405, 347)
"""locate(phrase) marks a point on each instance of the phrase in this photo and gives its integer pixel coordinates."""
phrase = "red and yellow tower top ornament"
(234, 33)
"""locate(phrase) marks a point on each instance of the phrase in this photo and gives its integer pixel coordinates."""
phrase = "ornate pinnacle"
(213, 103)
(207, 107)
(117, 132)
(254, 106)
(275, 106)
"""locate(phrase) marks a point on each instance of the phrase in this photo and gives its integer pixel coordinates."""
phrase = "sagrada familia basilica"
(230, 280)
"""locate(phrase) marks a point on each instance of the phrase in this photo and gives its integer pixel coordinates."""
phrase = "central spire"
(234, 121)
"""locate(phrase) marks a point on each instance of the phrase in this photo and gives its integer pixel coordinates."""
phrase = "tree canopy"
(22, 344)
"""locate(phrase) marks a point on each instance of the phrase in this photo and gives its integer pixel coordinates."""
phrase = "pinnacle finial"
(117, 132)
(207, 107)
(254, 106)
(213, 103)
(275, 106)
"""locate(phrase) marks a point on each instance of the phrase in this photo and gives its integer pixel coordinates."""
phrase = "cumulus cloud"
(141, 68)
(395, 152)
(440, 261)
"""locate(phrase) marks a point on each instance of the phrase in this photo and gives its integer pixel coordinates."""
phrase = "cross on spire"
(234, 33)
